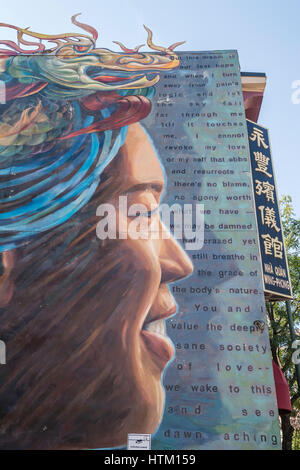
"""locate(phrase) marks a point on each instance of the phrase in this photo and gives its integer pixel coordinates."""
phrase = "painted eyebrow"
(157, 187)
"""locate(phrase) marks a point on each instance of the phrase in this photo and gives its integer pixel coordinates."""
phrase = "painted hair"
(65, 118)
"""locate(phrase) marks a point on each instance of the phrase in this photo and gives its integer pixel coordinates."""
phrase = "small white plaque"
(139, 442)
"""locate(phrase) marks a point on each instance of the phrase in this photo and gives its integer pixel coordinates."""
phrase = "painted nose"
(175, 263)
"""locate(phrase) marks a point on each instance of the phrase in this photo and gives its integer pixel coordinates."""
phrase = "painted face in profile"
(154, 263)
(82, 318)
(89, 347)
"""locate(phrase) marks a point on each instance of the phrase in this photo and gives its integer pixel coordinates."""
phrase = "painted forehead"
(139, 161)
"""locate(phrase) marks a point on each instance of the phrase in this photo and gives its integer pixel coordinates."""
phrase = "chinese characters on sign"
(274, 264)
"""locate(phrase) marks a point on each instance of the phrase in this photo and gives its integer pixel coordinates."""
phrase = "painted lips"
(153, 334)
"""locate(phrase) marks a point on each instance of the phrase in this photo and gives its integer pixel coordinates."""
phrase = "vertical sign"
(220, 391)
(275, 268)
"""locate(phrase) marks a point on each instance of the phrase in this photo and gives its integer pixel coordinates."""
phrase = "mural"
(83, 314)
(82, 369)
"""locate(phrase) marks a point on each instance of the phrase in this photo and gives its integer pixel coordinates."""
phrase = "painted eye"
(148, 214)
(81, 48)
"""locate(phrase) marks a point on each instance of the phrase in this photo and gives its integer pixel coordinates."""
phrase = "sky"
(264, 32)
